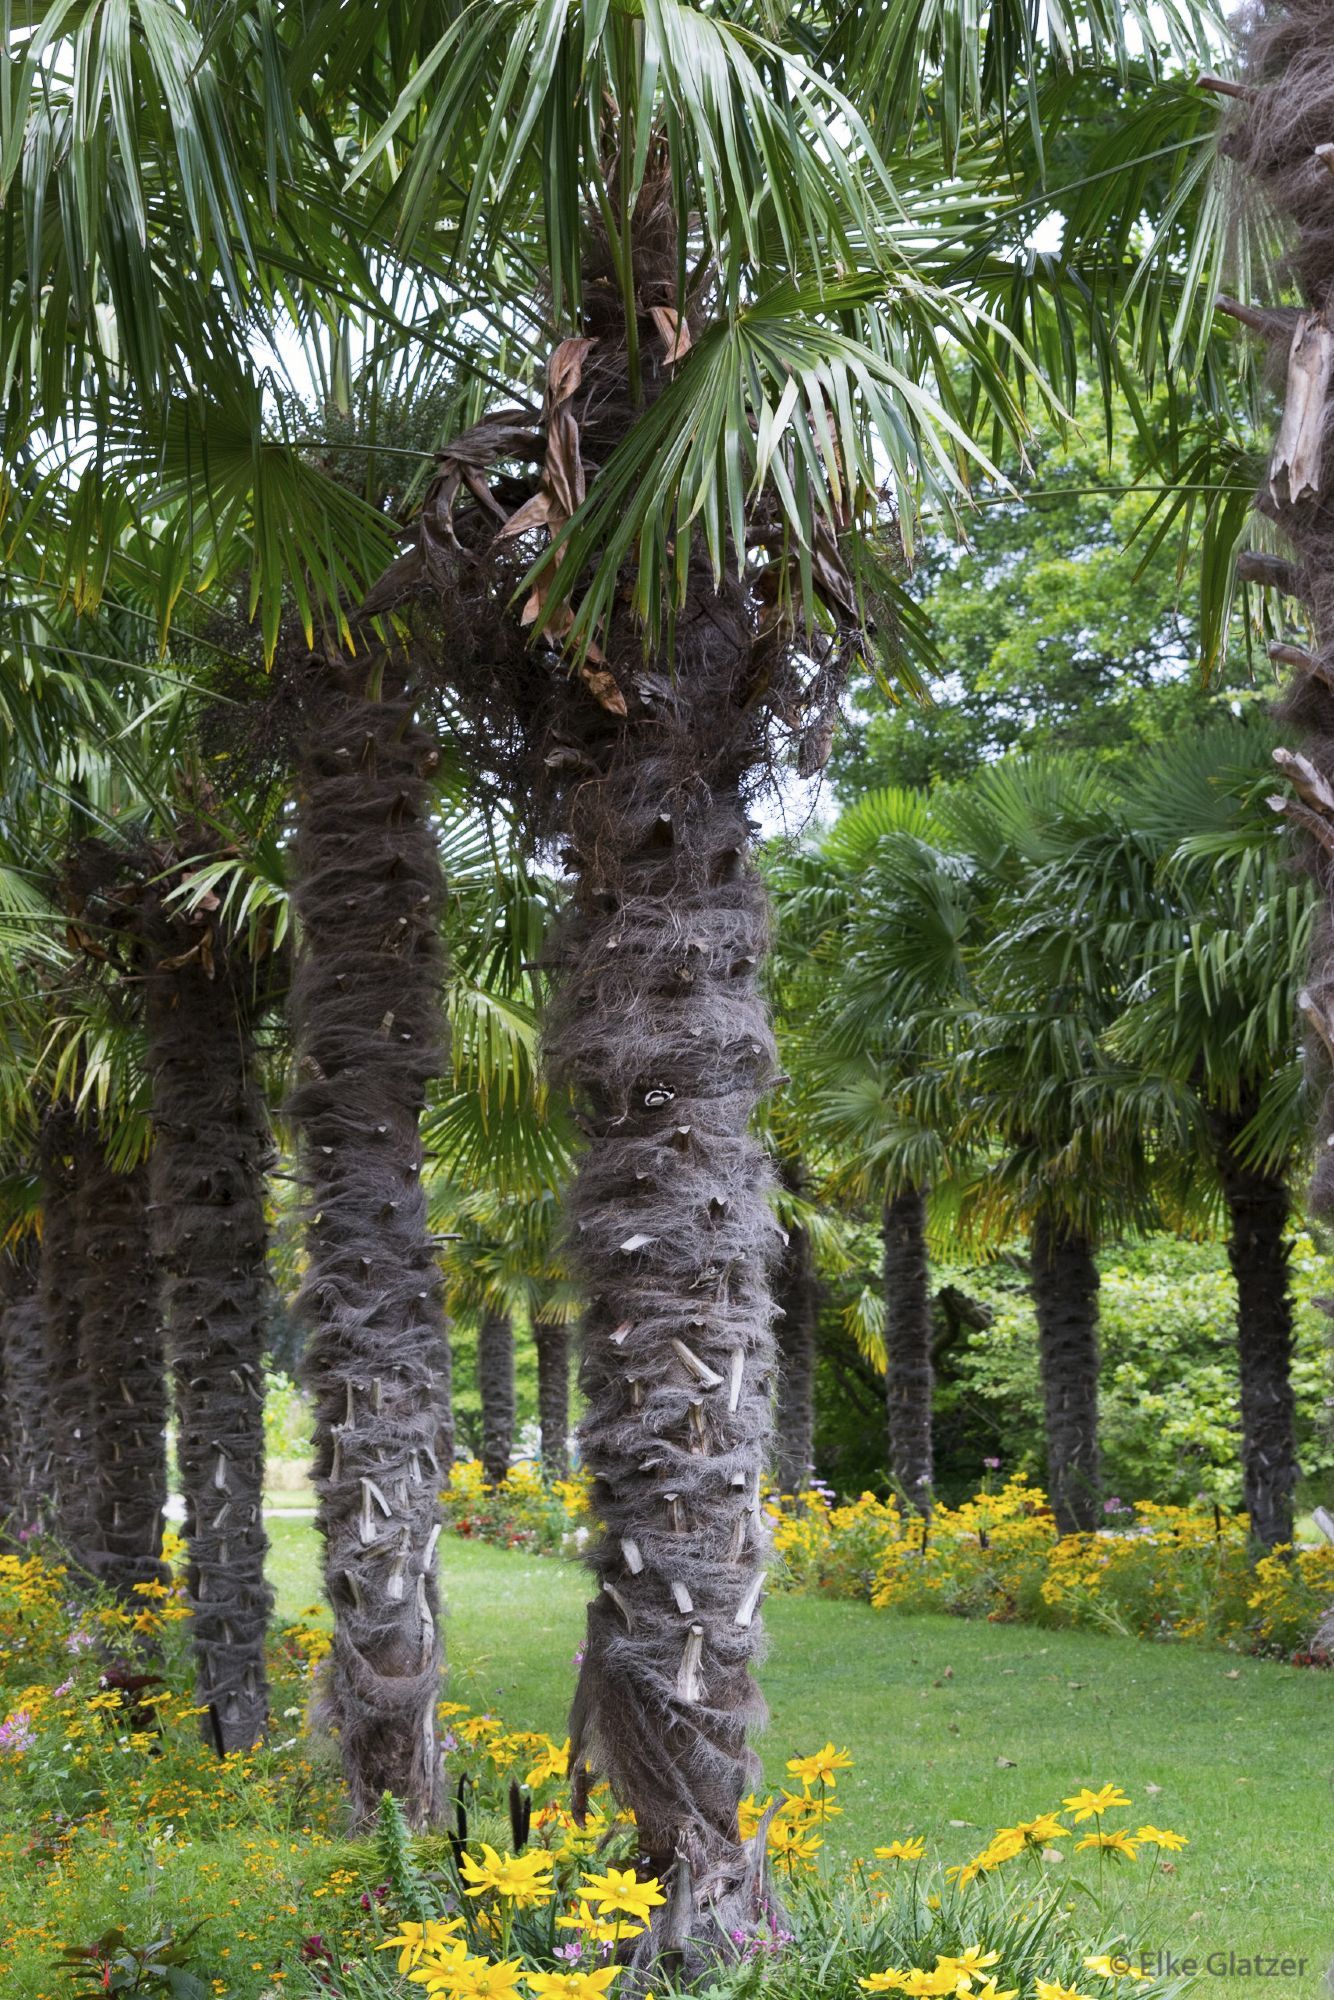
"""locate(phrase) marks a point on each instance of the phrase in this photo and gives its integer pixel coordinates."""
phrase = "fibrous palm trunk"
(123, 1362)
(367, 1002)
(797, 1297)
(495, 1387)
(206, 1175)
(1258, 1250)
(1278, 131)
(66, 1149)
(909, 1380)
(553, 1397)
(658, 1024)
(1065, 1300)
(27, 1399)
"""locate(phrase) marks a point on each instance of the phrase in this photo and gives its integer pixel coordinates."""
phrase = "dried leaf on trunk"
(674, 332)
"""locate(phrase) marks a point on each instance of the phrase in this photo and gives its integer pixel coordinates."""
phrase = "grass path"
(1239, 1754)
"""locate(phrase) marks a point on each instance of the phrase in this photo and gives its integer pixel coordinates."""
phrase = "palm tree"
(1211, 1022)
(738, 311)
(876, 922)
(705, 377)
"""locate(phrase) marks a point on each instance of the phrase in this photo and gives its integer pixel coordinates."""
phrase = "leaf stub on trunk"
(367, 1004)
(657, 1024)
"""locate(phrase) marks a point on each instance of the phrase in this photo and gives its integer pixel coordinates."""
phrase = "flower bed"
(1154, 1572)
(138, 1861)
(551, 1919)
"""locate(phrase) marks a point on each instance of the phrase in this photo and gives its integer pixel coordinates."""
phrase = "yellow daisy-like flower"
(790, 1843)
(1052, 1989)
(479, 1728)
(902, 1850)
(749, 1814)
(1108, 1967)
(821, 1768)
(990, 1991)
(972, 1959)
(446, 1970)
(573, 1985)
(1161, 1836)
(1041, 1831)
(415, 1940)
(1091, 1805)
(552, 1762)
(943, 1980)
(807, 1808)
(883, 1982)
(109, 1698)
(523, 1879)
(490, 1979)
(602, 1930)
(1122, 1841)
(620, 1890)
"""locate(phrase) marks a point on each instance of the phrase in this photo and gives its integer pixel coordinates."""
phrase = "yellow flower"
(602, 1930)
(108, 1699)
(445, 1970)
(554, 1762)
(479, 1979)
(902, 1850)
(1052, 1989)
(989, 1992)
(1158, 1836)
(749, 1814)
(1108, 1967)
(883, 1982)
(1122, 1841)
(478, 1728)
(790, 1843)
(916, 1982)
(972, 1959)
(415, 1940)
(1091, 1805)
(621, 1891)
(1046, 1827)
(821, 1768)
(573, 1985)
(523, 1879)
(809, 1808)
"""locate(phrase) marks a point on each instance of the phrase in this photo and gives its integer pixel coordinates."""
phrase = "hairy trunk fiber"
(658, 1024)
(797, 1297)
(66, 1151)
(553, 1397)
(1065, 1300)
(1277, 132)
(495, 1386)
(367, 1003)
(1258, 1250)
(206, 1176)
(123, 1362)
(26, 1392)
(909, 1382)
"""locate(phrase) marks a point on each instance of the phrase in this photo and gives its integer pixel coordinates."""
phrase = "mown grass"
(1236, 1754)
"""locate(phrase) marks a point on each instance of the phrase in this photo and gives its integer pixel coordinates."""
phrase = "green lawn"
(1240, 1753)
